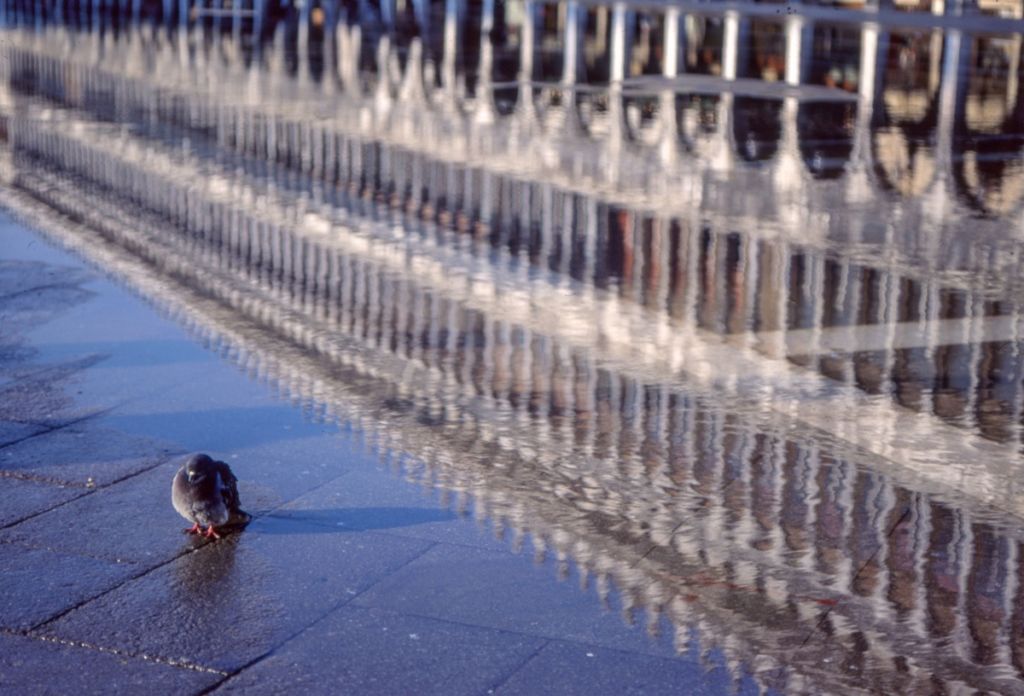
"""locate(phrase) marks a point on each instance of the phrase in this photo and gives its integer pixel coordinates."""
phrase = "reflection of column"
(735, 45)
(799, 33)
(573, 46)
(454, 12)
(952, 94)
(617, 64)
(302, 40)
(1013, 70)
(616, 74)
(589, 209)
(485, 109)
(527, 45)
(873, 46)
(671, 66)
(527, 48)
(382, 95)
(411, 89)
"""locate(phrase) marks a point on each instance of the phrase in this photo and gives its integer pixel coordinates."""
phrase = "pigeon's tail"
(239, 517)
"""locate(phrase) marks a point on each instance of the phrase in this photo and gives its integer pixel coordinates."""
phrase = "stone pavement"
(349, 580)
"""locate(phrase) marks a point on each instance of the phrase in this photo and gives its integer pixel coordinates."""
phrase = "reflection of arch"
(825, 134)
(988, 159)
(592, 111)
(906, 165)
(757, 128)
(990, 176)
(904, 130)
(641, 116)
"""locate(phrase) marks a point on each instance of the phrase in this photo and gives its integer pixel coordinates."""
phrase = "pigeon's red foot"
(211, 534)
(194, 529)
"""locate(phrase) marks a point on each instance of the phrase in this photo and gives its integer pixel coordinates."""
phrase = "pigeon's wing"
(180, 497)
(229, 487)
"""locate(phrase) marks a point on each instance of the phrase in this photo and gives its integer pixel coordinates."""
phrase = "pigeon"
(205, 492)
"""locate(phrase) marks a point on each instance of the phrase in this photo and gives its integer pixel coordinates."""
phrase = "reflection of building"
(752, 534)
(811, 269)
(632, 343)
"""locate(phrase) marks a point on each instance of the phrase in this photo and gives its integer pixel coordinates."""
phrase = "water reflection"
(723, 308)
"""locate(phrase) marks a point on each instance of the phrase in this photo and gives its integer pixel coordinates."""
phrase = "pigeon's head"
(198, 468)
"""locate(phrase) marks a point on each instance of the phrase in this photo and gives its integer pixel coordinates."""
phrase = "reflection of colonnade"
(894, 314)
(599, 464)
(527, 57)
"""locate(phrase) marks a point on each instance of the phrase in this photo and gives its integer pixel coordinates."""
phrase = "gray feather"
(209, 497)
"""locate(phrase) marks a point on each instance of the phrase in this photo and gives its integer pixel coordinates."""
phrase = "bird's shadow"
(341, 520)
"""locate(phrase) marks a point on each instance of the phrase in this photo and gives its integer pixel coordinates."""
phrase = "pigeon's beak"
(191, 476)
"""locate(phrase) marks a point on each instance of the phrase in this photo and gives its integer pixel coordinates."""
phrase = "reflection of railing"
(696, 508)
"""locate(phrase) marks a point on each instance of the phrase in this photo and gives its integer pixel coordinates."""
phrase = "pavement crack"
(89, 489)
(344, 603)
(515, 670)
(59, 426)
(181, 664)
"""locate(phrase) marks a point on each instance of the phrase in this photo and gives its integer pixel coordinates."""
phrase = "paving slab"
(29, 666)
(23, 499)
(41, 394)
(575, 668)
(131, 521)
(134, 521)
(84, 454)
(509, 592)
(37, 584)
(233, 600)
(370, 651)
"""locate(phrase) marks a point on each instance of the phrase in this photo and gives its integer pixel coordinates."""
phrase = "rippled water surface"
(724, 308)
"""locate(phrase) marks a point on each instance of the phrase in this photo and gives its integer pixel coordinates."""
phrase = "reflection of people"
(844, 77)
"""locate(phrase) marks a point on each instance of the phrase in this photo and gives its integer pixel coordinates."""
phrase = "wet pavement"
(97, 572)
(570, 349)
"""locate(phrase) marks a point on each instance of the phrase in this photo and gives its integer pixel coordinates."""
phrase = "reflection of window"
(989, 171)
(992, 86)
(912, 70)
(825, 132)
(767, 51)
(757, 128)
(704, 36)
(835, 57)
